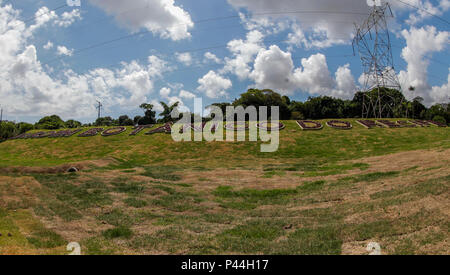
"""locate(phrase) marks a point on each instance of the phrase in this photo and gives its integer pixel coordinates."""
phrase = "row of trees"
(322, 107)
(10, 129)
(393, 103)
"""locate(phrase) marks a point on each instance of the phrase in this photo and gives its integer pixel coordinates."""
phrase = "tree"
(23, 127)
(7, 130)
(417, 108)
(439, 110)
(125, 121)
(269, 98)
(104, 121)
(136, 119)
(73, 124)
(149, 114)
(167, 113)
(50, 123)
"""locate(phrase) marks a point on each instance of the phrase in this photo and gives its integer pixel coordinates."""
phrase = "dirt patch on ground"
(18, 192)
(422, 159)
(404, 160)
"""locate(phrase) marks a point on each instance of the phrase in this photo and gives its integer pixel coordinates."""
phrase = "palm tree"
(167, 113)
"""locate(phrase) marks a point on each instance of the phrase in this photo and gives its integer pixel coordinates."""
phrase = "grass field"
(323, 192)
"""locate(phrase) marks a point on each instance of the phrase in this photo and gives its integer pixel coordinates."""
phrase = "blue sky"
(58, 59)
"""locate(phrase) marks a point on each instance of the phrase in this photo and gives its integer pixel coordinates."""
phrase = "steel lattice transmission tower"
(374, 46)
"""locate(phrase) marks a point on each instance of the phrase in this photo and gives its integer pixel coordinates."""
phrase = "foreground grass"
(319, 194)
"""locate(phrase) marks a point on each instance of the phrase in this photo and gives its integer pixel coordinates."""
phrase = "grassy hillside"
(323, 192)
(324, 145)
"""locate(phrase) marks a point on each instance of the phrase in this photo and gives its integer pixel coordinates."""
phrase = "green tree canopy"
(125, 121)
(269, 98)
(166, 115)
(149, 114)
(50, 123)
(73, 124)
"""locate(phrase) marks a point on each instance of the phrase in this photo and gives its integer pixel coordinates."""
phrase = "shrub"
(50, 123)
(439, 119)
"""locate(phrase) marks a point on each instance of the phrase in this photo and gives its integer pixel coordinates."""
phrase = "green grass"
(155, 196)
(143, 150)
(136, 203)
(118, 232)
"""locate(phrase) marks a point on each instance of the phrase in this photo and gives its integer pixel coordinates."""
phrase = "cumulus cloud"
(274, 69)
(243, 52)
(184, 58)
(27, 89)
(48, 46)
(186, 94)
(326, 19)
(421, 42)
(68, 18)
(42, 17)
(165, 93)
(214, 85)
(62, 50)
(161, 17)
(212, 57)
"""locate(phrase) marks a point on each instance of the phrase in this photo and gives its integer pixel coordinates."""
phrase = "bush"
(73, 124)
(439, 119)
(297, 116)
(50, 123)
(24, 127)
(7, 130)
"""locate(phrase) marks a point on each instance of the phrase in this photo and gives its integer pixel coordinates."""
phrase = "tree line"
(393, 102)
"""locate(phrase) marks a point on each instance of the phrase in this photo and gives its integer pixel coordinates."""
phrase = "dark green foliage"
(125, 121)
(104, 121)
(73, 124)
(166, 115)
(50, 123)
(325, 107)
(257, 98)
(7, 130)
(439, 119)
(118, 232)
(149, 115)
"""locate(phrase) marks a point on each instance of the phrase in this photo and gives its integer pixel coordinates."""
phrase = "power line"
(197, 21)
(424, 10)
(37, 16)
(427, 57)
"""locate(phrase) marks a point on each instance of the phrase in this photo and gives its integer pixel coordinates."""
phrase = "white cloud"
(186, 94)
(62, 50)
(42, 17)
(161, 17)
(48, 46)
(274, 69)
(421, 42)
(165, 92)
(212, 57)
(27, 89)
(213, 85)
(328, 21)
(184, 58)
(170, 100)
(68, 18)
(243, 53)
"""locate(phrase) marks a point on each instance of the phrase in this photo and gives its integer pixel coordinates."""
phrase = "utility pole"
(374, 45)
(99, 107)
(1, 115)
